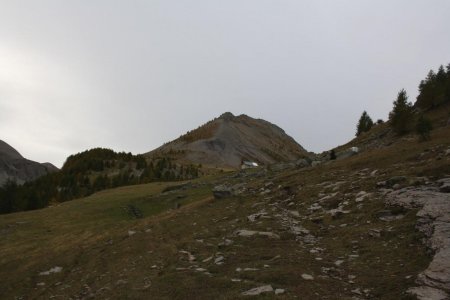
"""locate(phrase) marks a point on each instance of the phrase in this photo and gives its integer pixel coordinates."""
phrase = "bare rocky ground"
(375, 226)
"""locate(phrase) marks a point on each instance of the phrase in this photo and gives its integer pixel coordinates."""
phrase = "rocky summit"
(229, 140)
(17, 168)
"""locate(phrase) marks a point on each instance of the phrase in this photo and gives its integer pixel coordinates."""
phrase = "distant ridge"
(228, 140)
(15, 167)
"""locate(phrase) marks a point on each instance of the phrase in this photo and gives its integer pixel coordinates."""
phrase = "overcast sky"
(131, 75)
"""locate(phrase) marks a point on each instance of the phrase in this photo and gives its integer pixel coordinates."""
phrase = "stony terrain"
(373, 226)
(14, 166)
(229, 139)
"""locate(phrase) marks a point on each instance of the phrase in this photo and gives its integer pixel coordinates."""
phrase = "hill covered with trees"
(88, 172)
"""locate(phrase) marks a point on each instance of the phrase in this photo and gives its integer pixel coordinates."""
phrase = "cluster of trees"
(88, 172)
(405, 117)
(434, 90)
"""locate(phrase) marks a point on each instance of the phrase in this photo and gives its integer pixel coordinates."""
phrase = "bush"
(423, 127)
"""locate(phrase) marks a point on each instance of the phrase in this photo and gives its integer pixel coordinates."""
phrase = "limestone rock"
(434, 222)
(307, 277)
(258, 290)
(222, 191)
(51, 271)
(249, 233)
(444, 185)
(428, 293)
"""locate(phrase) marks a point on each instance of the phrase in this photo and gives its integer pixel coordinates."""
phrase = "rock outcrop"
(15, 167)
(434, 223)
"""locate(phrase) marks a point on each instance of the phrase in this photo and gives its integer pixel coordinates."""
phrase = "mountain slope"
(228, 140)
(321, 232)
(14, 166)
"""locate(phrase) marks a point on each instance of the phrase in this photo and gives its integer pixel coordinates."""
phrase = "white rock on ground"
(189, 255)
(51, 271)
(428, 293)
(307, 277)
(248, 233)
(258, 290)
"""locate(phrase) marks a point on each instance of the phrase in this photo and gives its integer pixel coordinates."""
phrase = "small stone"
(357, 291)
(339, 262)
(307, 277)
(201, 270)
(51, 271)
(207, 259)
(131, 232)
(279, 291)
(191, 257)
(219, 260)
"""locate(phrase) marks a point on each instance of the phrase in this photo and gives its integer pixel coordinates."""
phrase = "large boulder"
(347, 153)
(222, 191)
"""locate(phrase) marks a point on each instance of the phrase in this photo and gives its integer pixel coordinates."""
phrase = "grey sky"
(131, 75)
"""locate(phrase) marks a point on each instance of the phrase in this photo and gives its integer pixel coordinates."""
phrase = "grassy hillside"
(196, 252)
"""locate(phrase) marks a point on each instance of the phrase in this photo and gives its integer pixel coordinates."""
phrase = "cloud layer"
(133, 75)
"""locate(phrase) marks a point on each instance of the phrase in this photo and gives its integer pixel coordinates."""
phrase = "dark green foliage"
(332, 155)
(365, 123)
(423, 127)
(88, 172)
(8, 194)
(435, 89)
(402, 115)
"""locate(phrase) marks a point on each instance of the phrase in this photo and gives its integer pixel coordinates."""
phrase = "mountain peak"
(228, 140)
(15, 167)
(8, 151)
(227, 116)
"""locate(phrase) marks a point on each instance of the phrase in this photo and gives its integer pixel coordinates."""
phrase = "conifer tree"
(365, 123)
(402, 115)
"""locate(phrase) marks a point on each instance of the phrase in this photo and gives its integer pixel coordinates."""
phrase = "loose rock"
(307, 277)
(258, 290)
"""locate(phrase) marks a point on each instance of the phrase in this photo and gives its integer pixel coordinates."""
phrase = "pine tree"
(365, 123)
(402, 115)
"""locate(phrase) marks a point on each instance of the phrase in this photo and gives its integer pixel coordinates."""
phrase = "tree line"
(434, 91)
(88, 172)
